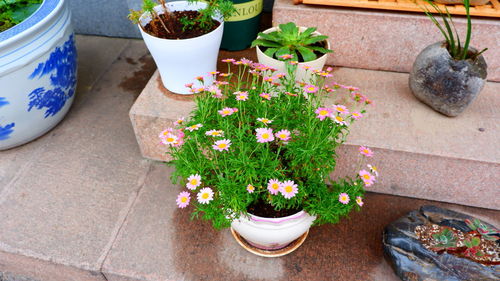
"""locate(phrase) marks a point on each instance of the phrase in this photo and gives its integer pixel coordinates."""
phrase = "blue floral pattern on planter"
(3, 101)
(61, 66)
(6, 130)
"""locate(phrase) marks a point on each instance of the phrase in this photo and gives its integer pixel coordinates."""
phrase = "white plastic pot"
(180, 61)
(272, 233)
(38, 73)
(301, 74)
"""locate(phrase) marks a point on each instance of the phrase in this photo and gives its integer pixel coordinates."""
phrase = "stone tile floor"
(80, 203)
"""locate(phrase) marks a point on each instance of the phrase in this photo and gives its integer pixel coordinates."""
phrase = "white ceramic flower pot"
(180, 61)
(38, 73)
(301, 74)
(272, 233)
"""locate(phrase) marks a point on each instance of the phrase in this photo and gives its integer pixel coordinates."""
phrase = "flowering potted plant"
(258, 150)
(303, 44)
(183, 37)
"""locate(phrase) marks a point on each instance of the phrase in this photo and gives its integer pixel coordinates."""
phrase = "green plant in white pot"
(448, 75)
(183, 37)
(304, 45)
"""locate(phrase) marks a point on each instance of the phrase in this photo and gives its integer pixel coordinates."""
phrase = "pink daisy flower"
(340, 109)
(221, 145)
(228, 60)
(283, 135)
(193, 182)
(274, 186)
(226, 111)
(344, 198)
(290, 94)
(373, 169)
(288, 189)
(365, 151)
(358, 97)
(179, 121)
(215, 133)
(265, 120)
(265, 96)
(250, 188)
(170, 139)
(339, 120)
(268, 79)
(194, 127)
(359, 201)
(213, 72)
(323, 112)
(367, 178)
(310, 89)
(205, 195)
(215, 91)
(280, 75)
(224, 74)
(293, 62)
(324, 74)
(306, 67)
(264, 135)
(356, 115)
(166, 132)
(183, 199)
(188, 85)
(199, 78)
(286, 56)
(242, 96)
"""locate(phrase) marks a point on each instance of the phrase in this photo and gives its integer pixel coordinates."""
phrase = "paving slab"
(160, 242)
(61, 213)
(93, 61)
(420, 152)
(385, 40)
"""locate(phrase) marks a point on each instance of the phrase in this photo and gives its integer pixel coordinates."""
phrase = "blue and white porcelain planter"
(38, 71)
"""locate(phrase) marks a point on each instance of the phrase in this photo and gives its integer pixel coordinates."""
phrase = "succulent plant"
(487, 232)
(445, 239)
(473, 249)
(289, 40)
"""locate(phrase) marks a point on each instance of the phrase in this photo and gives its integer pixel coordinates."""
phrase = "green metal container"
(242, 28)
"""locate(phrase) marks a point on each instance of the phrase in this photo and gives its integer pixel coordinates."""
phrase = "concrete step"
(420, 153)
(385, 40)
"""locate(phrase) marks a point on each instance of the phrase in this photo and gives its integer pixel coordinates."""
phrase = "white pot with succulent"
(304, 44)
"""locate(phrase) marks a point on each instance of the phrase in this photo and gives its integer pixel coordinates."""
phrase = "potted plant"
(183, 37)
(258, 150)
(305, 45)
(38, 68)
(447, 75)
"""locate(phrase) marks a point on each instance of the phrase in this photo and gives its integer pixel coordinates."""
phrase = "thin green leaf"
(314, 39)
(270, 52)
(320, 49)
(469, 30)
(289, 28)
(306, 33)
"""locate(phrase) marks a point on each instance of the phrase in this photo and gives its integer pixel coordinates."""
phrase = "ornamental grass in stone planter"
(183, 37)
(447, 75)
(257, 151)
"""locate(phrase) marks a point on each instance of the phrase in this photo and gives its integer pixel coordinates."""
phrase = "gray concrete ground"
(81, 203)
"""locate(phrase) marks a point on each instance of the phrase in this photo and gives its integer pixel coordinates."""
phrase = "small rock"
(412, 261)
(481, 129)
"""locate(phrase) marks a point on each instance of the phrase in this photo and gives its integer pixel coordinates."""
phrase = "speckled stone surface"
(160, 242)
(420, 152)
(371, 39)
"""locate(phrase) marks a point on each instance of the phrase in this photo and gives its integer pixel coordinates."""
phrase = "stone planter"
(38, 74)
(446, 85)
(180, 61)
(271, 234)
(301, 74)
(412, 261)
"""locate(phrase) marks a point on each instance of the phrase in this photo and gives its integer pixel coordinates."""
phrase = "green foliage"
(13, 12)
(307, 159)
(289, 40)
(445, 239)
(456, 49)
(223, 8)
